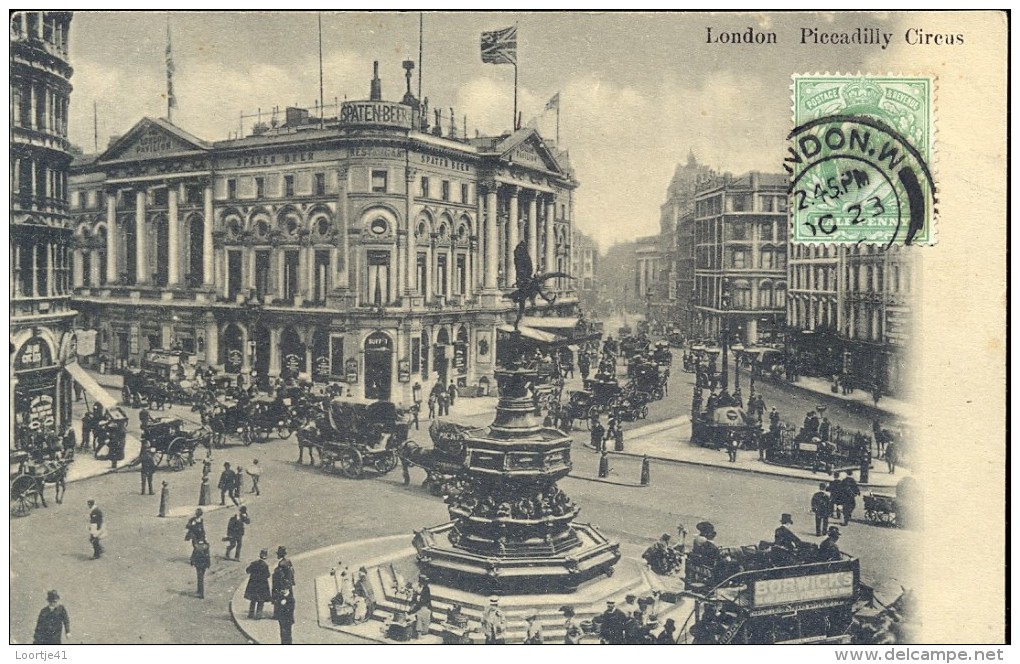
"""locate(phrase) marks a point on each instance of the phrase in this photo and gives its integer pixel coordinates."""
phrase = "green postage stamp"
(859, 159)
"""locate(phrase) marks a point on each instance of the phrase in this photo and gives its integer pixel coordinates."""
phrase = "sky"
(638, 91)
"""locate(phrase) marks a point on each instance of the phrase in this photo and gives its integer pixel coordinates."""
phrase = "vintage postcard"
(427, 327)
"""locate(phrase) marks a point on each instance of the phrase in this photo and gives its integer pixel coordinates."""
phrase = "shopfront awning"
(91, 387)
(565, 326)
(533, 334)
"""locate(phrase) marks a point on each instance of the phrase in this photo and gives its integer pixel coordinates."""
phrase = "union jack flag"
(499, 47)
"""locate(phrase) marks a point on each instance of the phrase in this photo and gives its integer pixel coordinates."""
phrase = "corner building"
(366, 248)
(740, 243)
(42, 340)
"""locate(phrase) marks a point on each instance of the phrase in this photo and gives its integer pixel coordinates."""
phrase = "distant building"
(584, 269)
(42, 341)
(849, 312)
(740, 240)
(368, 248)
(677, 231)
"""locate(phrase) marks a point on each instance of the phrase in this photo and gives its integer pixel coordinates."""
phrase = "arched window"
(779, 295)
(765, 299)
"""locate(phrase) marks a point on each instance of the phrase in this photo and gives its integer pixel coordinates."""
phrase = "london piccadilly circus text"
(813, 36)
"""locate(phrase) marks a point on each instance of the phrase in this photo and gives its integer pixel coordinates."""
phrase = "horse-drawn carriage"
(28, 480)
(254, 419)
(633, 345)
(144, 389)
(353, 437)
(444, 462)
(880, 509)
(169, 440)
(599, 396)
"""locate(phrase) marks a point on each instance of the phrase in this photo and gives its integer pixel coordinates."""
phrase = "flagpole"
(514, 123)
(169, 98)
(557, 122)
(320, 72)
(95, 124)
(421, 47)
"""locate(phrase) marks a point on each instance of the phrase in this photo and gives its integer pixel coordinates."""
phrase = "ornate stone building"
(368, 248)
(677, 222)
(42, 340)
(740, 237)
(849, 312)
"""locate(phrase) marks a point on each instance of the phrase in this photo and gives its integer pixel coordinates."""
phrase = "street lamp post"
(725, 305)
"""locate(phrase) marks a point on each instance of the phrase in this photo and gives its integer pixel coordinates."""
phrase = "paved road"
(142, 590)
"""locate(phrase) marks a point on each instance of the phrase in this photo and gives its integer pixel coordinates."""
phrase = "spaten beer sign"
(375, 113)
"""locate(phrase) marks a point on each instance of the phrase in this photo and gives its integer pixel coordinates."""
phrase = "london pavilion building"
(41, 334)
(369, 248)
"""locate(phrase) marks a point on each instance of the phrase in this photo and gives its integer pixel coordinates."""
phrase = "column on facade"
(344, 275)
(51, 272)
(533, 227)
(141, 240)
(274, 351)
(208, 271)
(550, 236)
(304, 262)
(475, 275)
(212, 340)
(491, 238)
(469, 267)
(77, 269)
(174, 245)
(450, 268)
(111, 238)
(427, 287)
(407, 265)
(513, 221)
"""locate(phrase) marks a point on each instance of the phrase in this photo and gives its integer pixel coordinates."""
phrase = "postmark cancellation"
(860, 160)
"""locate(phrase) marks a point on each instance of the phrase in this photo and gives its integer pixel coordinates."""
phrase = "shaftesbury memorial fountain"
(512, 530)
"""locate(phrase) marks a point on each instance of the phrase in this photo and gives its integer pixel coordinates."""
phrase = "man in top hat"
(148, 462)
(614, 624)
(828, 549)
(201, 561)
(257, 591)
(95, 528)
(667, 636)
(787, 544)
(52, 623)
(283, 575)
(822, 508)
(494, 623)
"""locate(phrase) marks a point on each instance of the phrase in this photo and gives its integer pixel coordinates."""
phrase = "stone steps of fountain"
(382, 582)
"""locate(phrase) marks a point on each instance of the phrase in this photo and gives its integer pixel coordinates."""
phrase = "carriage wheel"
(284, 431)
(177, 454)
(23, 495)
(886, 518)
(384, 463)
(350, 464)
(327, 461)
(592, 412)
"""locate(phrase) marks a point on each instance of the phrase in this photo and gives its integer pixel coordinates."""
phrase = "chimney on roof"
(755, 180)
(376, 92)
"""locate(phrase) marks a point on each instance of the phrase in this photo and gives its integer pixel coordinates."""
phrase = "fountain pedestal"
(513, 530)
